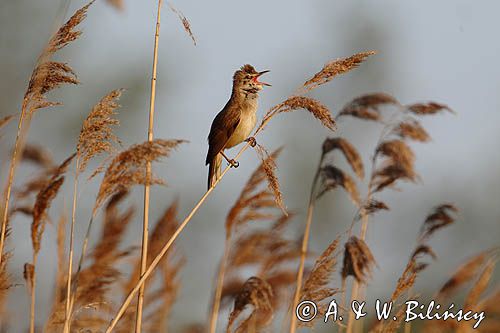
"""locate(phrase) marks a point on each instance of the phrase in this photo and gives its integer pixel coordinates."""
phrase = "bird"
(236, 121)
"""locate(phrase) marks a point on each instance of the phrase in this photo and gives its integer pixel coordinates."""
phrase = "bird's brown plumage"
(235, 122)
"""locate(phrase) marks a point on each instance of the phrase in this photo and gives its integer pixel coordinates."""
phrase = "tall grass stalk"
(303, 251)
(145, 224)
(220, 284)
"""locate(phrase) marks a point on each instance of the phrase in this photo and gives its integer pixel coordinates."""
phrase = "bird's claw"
(234, 163)
(251, 140)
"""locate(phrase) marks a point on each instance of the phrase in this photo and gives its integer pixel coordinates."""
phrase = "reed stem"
(145, 224)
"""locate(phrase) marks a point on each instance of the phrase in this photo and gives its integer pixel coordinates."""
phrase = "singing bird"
(236, 121)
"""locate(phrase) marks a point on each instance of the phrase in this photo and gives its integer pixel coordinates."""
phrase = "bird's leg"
(231, 162)
(252, 141)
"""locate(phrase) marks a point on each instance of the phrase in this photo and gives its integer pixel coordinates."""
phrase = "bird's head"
(246, 80)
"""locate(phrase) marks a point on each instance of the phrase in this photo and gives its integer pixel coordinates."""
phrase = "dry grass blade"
(367, 106)
(332, 177)
(350, 153)
(127, 168)
(257, 293)
(413, 130)
(315, 287)
(96, 136)
(334, 68)
(358, 260)
(184, 21)
(423, 109)
(466, 272)
(269, 167)
(439, 218)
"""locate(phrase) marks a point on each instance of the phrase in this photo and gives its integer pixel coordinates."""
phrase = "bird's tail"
(214, 170)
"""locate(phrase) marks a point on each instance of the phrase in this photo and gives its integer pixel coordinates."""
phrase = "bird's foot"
(234, 163)
(251, 140)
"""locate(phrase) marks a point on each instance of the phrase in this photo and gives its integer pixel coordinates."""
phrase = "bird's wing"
(223, 127)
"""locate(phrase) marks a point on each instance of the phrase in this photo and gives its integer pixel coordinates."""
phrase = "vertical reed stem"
(18, 146)
(220, 284)
(145, 225)
(303, 251)
(67, 314)
(33, 295)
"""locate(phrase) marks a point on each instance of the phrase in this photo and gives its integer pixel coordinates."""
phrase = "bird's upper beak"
(256, 79)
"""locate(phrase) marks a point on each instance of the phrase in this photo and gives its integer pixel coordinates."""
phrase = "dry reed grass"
(257, 269)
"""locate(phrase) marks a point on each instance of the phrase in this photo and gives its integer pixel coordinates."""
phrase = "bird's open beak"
(260, 82)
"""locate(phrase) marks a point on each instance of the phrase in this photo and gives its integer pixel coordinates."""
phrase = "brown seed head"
(334, 68)
(358, 260)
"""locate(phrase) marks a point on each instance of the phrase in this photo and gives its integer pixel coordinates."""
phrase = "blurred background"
(427, 51)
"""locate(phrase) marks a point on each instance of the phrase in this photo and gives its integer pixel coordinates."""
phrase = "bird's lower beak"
(260, 82)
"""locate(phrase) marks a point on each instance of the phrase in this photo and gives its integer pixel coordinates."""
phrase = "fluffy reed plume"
(253, 201)
(127, 168)
(118, 4)
(349, 152)
(412, 130)
(47, 76)
(431, 108)
(316, 287)
(184, 21)
(40, 210)
(256, 293)
(334, 68)
(438, 219)
(269, 167)
(358, 260)
(316, 108)
(370, 208)
(96, 138)
(37, 155)
(330, 176)
(367, 107)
